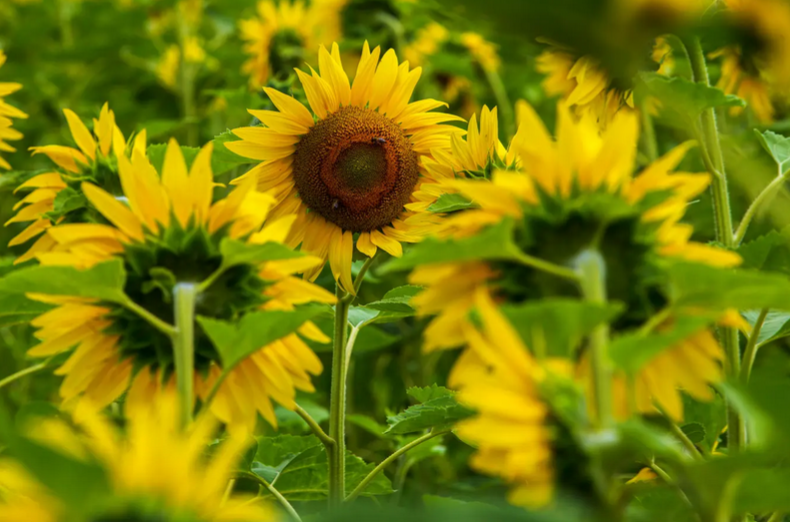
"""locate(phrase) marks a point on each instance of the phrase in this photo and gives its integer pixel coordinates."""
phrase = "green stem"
(21, 373)
(546, 266)
(153, 320)
(724, 231)
(752, 346)
(276, 494)
(386, 462)
(661, 473)
(502, 100)
(649, 134)
(188, 71)
(314, 427)
(591, 268)
(337, 407)
(185, 295)
(675, 429)
(763, 198)
(360, 277)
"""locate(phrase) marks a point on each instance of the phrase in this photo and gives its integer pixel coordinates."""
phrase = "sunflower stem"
(271, 489)
(167, 329)
(337, 407)
(185, 295)
(21, 373)
(325, 439)
(386, 462)
(546, 266)
(752, 346)
(591, 268)
(762, 198)
(724, 231)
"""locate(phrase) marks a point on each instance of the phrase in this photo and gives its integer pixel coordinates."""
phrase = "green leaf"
(683, 101)
(707, 287)
(694, 431)
(777, 146)
(556, 326)
(769, 252)
(393, 306)
(775, 326)
(104, 281)
(368, 424)
(630, 352)
(712, 415)
(223, 159)
(67, 200)
(239, 253)
(16, 308)
(437, 409)
(297, 467)
(495, 242)
(237, 341)
(450, 203)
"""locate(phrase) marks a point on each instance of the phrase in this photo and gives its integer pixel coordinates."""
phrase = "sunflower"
(582, 83)
(169, 232)
(483, 51)
(348, 172)
(760, 69)
(7, 112)
(154, 471)
(510, 429)
(95, 159)
(284, 32)
(426, 43)
(568, 194)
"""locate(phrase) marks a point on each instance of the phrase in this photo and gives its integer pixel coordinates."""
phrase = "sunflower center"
(356, 169)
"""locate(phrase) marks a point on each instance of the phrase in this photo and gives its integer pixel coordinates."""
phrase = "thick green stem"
(752, 346)
(386, 462)
(337, 407)
(185, 295)
(762, 198)
(724, 232)
(591, 268)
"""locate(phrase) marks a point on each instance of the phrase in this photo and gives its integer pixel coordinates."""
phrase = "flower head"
(167, 229)
(349, 172)
(7, 113)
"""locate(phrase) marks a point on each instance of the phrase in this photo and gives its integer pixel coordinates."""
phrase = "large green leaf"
(495, 242)
(16, 308)
(556, 326)
(777, 146)
(297, 467)
(437, 408)
(682, 101)
(711, 415)
(770, 252)
(698, 285)
(238, 252)
(103, 281)
(775, 326)
(237, 341)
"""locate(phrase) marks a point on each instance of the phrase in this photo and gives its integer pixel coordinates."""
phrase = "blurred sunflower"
(426, 43)
(510, 429)
(166, 229)
(154, 470)
(54, 196)
(350, 171)
(283, 34)
(7, 112)
(758, 69)
(570, 194)
(483, 51)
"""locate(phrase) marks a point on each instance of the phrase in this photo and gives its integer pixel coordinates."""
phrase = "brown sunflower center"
(356, 169)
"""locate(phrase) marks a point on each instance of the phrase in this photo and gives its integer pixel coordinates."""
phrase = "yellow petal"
(82, 136)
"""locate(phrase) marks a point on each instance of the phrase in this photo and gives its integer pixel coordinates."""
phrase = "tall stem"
(337, 407)
(184, 347)
(724, 232)
(592, 274)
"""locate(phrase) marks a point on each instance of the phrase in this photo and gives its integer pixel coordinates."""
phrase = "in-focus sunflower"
(7, 112)
(284, 33)
(154, 470)
(570, 194)
(167, 230)
(95, 160)
(348, 169)
(510, 429)
(583, 84)
(759, 69)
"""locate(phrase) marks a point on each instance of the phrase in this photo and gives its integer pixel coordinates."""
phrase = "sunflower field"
(387, 260)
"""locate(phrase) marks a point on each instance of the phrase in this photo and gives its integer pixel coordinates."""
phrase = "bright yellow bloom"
(168, 67)
(287, 26)
(482, 50)
(116, 350)
(662, 55)
(95, 159)
(350, 170)
(753, 87)
(7, 112)
(510, 428)
(582, 84)
(427, 42)
(154, 468)
(584, 163)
